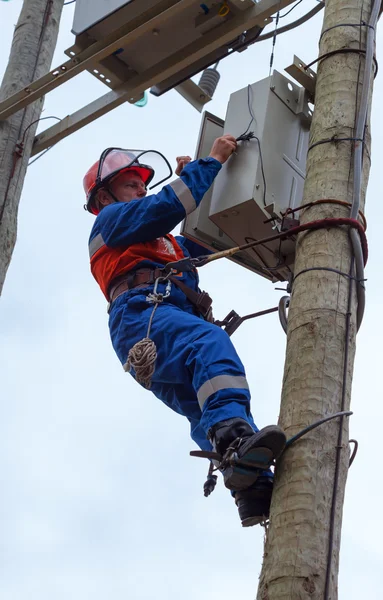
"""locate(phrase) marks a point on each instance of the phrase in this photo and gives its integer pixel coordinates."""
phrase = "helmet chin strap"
(115, 199)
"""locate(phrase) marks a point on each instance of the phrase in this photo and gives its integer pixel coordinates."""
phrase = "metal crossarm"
(135, 83)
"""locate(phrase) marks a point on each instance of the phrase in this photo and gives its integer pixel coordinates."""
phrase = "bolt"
(257, 186)
(156, 32)
(202, 96)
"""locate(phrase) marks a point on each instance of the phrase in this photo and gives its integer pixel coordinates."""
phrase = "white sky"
(99, 496)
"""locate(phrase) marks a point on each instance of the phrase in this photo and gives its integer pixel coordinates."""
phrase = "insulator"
(209, 81)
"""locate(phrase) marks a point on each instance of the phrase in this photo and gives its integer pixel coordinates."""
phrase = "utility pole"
(33, 44)
(301, 558)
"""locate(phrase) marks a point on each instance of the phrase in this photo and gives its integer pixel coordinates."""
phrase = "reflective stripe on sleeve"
(184, 195)
(221, 382)
(96, 244)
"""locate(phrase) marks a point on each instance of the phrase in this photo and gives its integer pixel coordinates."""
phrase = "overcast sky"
(99, 495)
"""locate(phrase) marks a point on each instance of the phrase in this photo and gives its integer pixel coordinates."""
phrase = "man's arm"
(145, 219)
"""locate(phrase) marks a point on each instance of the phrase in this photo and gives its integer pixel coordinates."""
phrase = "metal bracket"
(306, 77)
(193, 94)
(294, 96)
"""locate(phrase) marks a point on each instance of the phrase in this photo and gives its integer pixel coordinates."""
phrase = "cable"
(362, 113)
(359, 267)
(292, 25)
(274, 41)
(36, 121)
(358, 150)
(253, 136)
(71, 2)
(290, 10)
(25, 131)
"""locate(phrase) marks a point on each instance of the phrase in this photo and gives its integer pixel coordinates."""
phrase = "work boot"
(245, 453)
(254, 503)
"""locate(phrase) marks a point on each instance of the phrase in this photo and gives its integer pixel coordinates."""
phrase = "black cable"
(71, 2)
(292, 25)
(360, 281)
(354, 452)
(266, 267)
(345, 25)
(253, 136)
(334, 139)
(30, 125)
(341, 414)
(342, 51)
(290, 10)
(36, 121)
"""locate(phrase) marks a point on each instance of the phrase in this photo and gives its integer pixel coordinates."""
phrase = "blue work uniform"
(198, 373)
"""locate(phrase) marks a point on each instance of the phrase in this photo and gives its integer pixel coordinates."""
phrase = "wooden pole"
(31, 55)
(302, 544)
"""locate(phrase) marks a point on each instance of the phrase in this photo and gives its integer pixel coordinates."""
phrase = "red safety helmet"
(112, 162)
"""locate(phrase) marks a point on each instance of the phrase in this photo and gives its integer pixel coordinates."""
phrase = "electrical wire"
(292, 25)
(274, 41)
(290, 9)
(30, 125)
(254, 120)
(361, 120)
(358, 151)
(71, 2)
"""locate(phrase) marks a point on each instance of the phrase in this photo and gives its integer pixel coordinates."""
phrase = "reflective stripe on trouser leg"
(190, 353)
(220, 382)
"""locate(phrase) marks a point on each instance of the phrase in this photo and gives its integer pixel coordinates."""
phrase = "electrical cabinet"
(197, 226)
(160, 44)
(263, 179)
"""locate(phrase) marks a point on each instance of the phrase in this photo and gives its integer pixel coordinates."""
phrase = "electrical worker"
(197, 371)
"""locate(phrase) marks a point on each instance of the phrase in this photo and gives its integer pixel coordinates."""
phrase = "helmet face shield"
(150, 165)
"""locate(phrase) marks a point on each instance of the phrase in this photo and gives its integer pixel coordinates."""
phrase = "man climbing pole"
(160, 323)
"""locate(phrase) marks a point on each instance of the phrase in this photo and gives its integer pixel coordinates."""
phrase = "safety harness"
(143, 277)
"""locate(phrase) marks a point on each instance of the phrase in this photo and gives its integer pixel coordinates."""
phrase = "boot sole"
(251, 521)
(258, 453)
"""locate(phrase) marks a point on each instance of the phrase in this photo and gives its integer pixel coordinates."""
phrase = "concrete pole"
(302, 544)
(31, 55)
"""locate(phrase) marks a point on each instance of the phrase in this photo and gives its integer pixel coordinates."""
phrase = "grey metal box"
(89, 12)
(266, 175)
(159, 44)
(197, 226)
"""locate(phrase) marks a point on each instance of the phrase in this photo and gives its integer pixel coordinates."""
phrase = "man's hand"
(223, 147)
(181, 162)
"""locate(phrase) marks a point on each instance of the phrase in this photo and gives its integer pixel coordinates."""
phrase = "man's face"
(128, 186)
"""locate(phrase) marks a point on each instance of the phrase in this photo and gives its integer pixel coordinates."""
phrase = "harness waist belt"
(129, 281)
(142, 277)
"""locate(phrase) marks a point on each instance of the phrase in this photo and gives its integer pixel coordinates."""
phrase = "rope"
(142, 356)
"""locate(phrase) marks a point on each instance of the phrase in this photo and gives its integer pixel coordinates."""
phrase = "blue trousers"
(198, 372)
